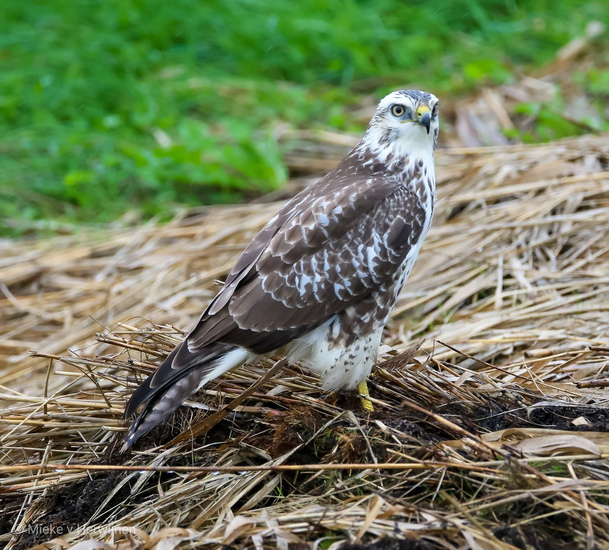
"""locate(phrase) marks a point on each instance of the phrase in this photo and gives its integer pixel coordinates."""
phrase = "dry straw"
(489, 432)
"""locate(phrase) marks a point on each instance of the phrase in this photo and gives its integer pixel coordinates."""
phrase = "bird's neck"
(380, 153)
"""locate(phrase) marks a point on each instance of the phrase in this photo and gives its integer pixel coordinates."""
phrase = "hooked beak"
(424, 116)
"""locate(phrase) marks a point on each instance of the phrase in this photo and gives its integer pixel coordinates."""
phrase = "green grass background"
(86, 85)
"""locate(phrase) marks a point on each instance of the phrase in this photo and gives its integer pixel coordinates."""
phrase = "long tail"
(178, 377)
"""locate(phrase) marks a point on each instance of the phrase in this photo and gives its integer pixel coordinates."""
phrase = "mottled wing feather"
(365, 244)
(304, 219)
(299, 228)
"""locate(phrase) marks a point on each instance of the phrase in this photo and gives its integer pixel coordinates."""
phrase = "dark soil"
(499, 414)
(72, 506)
(388, 543)
(531, 538)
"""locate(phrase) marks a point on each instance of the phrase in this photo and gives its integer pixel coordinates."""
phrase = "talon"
(362, 388)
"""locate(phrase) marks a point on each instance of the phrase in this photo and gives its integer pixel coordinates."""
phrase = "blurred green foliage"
(107, 106)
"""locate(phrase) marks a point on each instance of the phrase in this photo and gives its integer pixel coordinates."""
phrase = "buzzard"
(319, 281)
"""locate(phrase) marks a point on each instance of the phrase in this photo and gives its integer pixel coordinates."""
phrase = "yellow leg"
(362, 388)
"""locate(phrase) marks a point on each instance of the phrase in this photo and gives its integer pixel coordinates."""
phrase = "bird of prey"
(319, 281)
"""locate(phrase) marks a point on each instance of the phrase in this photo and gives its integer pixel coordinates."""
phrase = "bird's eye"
(398, 110)
(434, 111)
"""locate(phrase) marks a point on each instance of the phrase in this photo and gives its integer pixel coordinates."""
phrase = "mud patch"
(558, 416)
(388, 543)
(72, 506)
(502, 414)
(531, 538)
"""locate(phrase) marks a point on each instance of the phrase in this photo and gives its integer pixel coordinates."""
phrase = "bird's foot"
(362, 388)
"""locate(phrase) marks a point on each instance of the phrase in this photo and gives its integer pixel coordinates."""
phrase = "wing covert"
(301, 281)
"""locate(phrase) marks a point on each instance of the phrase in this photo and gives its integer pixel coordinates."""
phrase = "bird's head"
(406, 122)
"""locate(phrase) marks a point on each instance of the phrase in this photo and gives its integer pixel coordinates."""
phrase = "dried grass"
(491, 432)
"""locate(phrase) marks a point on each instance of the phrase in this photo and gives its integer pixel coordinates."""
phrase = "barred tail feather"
(175, 385)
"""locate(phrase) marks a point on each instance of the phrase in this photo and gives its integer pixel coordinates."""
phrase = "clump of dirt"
(502, 416)
(341, 442)
(499, 413)
(350, 448)
(290, 429)
(530, 537)
(388, 543)
(561, 417)
(72, 506)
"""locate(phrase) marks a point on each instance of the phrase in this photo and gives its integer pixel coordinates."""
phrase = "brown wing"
(325, 250)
